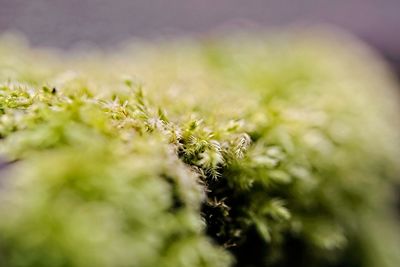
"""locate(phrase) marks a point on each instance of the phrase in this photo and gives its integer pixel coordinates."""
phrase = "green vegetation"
(267, 151)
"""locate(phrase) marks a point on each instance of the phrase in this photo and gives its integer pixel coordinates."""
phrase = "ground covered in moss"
(240, 150)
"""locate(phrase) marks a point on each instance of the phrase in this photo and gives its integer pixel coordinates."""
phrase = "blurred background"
(63, 24)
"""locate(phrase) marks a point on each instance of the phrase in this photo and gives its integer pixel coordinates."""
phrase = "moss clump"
(275, 151)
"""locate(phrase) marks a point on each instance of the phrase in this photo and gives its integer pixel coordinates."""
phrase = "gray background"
(63, 23)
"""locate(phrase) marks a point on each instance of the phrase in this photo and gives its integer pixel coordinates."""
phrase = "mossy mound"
(254, 151)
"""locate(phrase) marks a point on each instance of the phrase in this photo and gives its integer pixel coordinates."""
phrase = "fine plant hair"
(246, 150)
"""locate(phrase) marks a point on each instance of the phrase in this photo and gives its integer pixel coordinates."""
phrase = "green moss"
(275, 151)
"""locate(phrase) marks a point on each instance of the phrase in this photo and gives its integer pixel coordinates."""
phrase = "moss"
(267, 151)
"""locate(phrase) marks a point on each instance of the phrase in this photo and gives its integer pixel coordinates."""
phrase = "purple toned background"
(62, 23)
